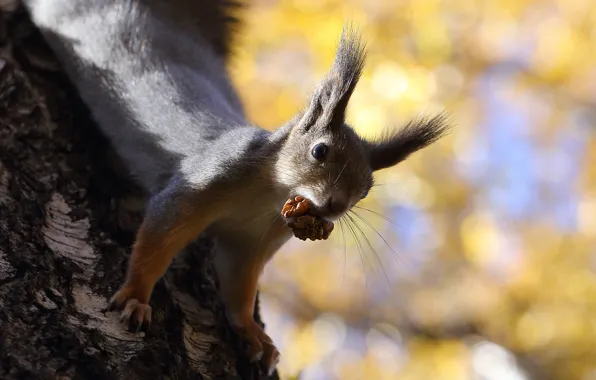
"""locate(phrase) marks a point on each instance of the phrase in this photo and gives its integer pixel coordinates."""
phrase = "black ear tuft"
(417, 134)
(332, 96)
(347, 67)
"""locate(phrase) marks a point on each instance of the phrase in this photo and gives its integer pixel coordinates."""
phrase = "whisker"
(378, 214)
(261, 215)
(401, 182)
(343, 235)
(360, 252)
(395, 254)
(359, 243)
(372, 249)
(278, 216)
(341, 171)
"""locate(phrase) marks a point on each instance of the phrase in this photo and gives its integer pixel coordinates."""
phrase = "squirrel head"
(324, 160)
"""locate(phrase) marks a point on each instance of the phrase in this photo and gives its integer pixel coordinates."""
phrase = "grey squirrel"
(153, 74)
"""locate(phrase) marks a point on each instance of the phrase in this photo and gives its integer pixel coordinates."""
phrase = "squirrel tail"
(219, 21)
(216, 20)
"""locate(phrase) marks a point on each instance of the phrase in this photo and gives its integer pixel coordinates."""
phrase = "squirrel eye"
(319, 151)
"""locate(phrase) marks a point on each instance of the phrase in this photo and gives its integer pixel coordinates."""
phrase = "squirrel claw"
(272, 367)
(137, 315)
(270, 358)
(255, 347)
(261, 348)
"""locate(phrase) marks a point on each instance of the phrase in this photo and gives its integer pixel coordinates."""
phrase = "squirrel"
(153, 73)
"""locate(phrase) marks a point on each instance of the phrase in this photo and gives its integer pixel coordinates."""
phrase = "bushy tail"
(216, 20)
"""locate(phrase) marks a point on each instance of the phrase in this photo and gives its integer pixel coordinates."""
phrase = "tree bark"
(67, 221)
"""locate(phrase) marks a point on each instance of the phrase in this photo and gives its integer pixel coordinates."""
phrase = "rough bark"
(67, 220)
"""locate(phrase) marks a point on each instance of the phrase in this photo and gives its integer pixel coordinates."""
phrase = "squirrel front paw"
(135, 314)
(261, 346)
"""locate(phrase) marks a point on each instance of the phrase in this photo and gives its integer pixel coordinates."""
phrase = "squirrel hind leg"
(238, 278)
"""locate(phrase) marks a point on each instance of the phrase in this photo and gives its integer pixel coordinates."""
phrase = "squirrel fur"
(153, 74)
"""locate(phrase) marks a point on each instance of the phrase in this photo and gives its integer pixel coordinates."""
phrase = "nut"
(317, 230)
(303, 225)
(295, 207)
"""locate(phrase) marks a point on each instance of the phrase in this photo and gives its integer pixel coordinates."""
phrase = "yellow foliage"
(479, 256)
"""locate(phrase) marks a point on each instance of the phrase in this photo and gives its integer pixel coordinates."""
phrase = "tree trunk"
(67, 221)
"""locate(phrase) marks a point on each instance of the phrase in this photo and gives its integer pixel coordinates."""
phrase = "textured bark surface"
(67, 220)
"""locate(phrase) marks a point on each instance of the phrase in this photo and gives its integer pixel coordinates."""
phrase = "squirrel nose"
(337, 205)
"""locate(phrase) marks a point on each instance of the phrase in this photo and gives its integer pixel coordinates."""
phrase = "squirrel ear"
(331, 97)
(417, 134)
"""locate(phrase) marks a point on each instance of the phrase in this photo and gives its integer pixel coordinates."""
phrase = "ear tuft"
(417, 134)
(333, 94)
(348, 64)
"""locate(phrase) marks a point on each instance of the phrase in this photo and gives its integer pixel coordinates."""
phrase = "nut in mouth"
(298, 211)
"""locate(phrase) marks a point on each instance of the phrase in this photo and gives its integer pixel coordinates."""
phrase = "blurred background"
(476, 258)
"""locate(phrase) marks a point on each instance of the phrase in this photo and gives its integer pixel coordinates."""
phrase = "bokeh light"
(476, 258)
